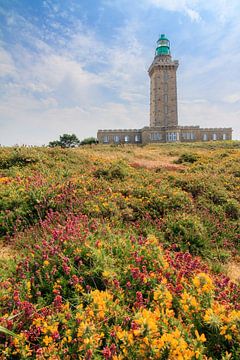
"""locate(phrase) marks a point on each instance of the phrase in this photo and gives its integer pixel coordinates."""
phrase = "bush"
(187, 158)
(114, 171)
(232, 209)
(188, 232)
(89, 141)
(17, 157)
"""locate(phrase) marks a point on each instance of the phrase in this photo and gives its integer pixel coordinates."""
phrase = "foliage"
(107, 265)
(114, 171)
(187, 158)
(65, 141)
(89, 141)
(18, 157)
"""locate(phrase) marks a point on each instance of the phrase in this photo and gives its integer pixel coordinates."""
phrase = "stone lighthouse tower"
(163, 88)
(163, 110)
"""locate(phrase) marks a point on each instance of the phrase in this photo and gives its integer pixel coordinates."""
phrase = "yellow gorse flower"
(203, 283)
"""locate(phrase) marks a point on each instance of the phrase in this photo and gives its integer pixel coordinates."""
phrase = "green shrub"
(187, 158)
(89, 141)
(232, 209)
(237, 173)
(114, 171)
(17, 157)
(186, 231)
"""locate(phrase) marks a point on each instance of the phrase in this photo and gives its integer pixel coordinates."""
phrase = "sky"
(76, 66)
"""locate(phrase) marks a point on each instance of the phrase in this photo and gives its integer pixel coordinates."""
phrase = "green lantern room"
(163, 46)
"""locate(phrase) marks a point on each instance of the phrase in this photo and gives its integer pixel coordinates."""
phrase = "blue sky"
(76, 66)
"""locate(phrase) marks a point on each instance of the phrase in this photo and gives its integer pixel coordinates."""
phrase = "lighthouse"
(163, 125)
(163, 87)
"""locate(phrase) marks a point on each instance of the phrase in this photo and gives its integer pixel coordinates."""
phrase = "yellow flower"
(45, 263)
(203, 283)
(121, 334)
(38, 322)
(201, 338)
(147, 320)
(223, 330)
(47, 340)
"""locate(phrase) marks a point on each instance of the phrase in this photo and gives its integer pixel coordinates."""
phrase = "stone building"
(163, 109)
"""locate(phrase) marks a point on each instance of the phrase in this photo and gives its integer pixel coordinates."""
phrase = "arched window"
(126, 138)
(214, 136)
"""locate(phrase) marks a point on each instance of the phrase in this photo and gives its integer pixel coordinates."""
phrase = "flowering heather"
(119, 262)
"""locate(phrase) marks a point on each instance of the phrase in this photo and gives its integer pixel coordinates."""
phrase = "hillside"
(120, 252)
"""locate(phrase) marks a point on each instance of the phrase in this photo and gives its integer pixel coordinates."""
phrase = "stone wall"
(163, 92)
(156, 134)
(195, 133)
(120, 136)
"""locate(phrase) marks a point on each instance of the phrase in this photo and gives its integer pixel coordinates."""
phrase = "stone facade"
(163, 110)
(163, 92)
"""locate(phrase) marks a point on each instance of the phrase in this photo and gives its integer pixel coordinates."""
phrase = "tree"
(89, 141)
(65, 141)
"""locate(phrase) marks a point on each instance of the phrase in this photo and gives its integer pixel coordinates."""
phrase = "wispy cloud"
(188, 7)
(60, 73)
(63, 87)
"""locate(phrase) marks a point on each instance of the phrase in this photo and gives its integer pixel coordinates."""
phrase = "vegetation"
(120, 252)
(65, 141)
(89, 141)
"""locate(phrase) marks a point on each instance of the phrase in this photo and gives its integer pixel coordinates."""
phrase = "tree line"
(71, 140)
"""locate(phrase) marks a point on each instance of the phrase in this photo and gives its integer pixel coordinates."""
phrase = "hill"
(120, 252)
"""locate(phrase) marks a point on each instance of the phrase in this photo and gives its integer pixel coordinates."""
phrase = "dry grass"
(7, 252)
(163, 163)
(152, 157)
(233, 271)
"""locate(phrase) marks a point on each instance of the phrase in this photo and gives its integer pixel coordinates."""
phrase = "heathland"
(120, 252)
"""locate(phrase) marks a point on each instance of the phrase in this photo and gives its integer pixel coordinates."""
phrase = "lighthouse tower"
(163, 110)
(163, 88)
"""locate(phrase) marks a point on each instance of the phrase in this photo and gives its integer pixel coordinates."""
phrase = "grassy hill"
(120, 252)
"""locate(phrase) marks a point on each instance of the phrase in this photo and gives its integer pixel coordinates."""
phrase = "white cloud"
(79, 83)
(221, 10)
(208, 114)
(6, 63)
(232, 98)
(185, 6)
(56, 89)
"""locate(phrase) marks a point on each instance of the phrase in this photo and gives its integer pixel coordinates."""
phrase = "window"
(165, 75)
(155, 136)
(165, 87)
(106, 139)
(172, 136)
(205, 137)
(224, 136)
(165, 98)
(126, 139)
(214, 136)
(116, 138)
(188, 136)
(137, 138)
(165, 109)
